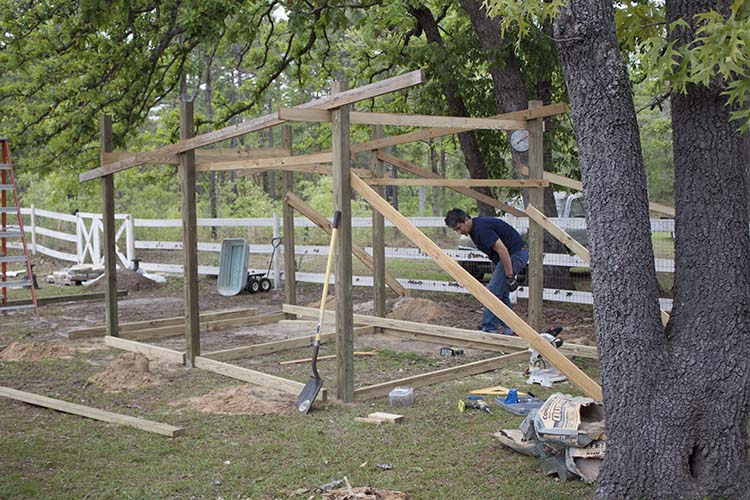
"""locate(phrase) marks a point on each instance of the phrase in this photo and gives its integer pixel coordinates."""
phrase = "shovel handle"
(329, 265)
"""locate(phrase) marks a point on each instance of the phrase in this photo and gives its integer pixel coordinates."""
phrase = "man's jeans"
(499, 288)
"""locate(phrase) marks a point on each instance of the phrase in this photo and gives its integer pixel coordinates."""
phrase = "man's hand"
(512, 282)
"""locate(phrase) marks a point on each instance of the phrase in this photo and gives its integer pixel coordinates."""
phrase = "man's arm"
(502, 252)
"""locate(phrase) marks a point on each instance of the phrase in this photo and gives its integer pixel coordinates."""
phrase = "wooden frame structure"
(336, 109)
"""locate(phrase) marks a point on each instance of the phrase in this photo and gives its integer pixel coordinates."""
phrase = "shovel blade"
(308, 394)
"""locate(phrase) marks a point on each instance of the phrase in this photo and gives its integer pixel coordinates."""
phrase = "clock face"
(519, 140)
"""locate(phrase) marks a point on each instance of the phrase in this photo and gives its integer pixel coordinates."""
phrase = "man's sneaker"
(510, 333)
(484, 330)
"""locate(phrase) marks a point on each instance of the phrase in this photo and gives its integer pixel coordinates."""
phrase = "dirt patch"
(127, 280)
(35, 351)
(127, 371)
(364, 493)
(242, 400)
(418, 309)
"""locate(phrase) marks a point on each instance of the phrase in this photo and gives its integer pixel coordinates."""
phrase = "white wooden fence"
(86, 236)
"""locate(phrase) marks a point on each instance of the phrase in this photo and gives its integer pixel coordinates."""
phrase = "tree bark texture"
(676, 402)
(456, 107)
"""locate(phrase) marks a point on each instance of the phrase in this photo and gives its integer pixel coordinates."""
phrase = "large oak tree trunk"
(456, 106)
(676, 402)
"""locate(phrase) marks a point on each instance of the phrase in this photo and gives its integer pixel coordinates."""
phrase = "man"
(505, 248)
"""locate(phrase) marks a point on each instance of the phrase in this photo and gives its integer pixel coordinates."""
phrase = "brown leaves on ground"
(35, 351)
(242, 400)
(364, 493)
(128, 371)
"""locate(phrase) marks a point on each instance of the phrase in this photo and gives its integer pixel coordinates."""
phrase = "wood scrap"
(323, 358)
(391, 418)
(93, 413)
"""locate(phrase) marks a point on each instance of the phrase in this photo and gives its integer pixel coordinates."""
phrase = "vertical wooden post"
(189, 237)
(290, 266)
(378, 231)
(536, 232)
(342, 200)
(108, 222)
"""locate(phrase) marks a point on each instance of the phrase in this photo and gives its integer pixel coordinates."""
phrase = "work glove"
(512, 282)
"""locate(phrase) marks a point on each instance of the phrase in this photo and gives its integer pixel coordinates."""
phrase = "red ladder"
(8, 184)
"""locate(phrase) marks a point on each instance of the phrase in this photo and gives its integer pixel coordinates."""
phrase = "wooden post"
(108, 220)
(378, 232)
(189, 237)
(290, 267)
(342, 200)
(536, 232)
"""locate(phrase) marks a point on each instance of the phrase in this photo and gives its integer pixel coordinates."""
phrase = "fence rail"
(82, 243)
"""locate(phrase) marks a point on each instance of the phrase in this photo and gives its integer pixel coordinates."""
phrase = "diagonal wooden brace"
(536, 341)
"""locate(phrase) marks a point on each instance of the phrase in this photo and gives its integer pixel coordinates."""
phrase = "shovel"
(313, 385)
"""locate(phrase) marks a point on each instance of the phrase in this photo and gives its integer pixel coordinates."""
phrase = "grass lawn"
(436, 453)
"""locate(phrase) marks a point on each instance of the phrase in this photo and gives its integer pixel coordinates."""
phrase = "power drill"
(475, 402)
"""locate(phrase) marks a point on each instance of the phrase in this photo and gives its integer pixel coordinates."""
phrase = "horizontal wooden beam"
(398, 162)
(205, 326)
(253, 377)
(444, 375)
(309, 169)
(298, 204)
(277, 346)
(100, 331)
(93, 413)
(400, 119)
(150, 351)
(422, 135)
(267, 163)
(526, 332)
(578, 186)
(261, 123)
(460, 182)
(453, 341)
(82, 297)
(479, 340)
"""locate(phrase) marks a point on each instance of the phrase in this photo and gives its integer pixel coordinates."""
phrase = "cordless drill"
(474, 402)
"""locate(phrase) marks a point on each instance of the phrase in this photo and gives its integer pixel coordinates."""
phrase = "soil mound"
(418, 309)
(364, 493)
(35, 351)
(127, 280)
(128, 371)
(242, 400)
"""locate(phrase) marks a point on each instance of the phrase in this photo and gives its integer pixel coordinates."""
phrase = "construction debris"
(567, 433)
(75, 275)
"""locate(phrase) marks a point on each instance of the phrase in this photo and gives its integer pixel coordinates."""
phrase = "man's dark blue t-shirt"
(485, 231)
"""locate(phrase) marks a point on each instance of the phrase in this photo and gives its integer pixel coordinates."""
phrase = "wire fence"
(157, 244)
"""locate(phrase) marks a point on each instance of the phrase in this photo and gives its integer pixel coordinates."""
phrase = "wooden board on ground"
(93, 413)
(443, 375)
(386, 417)
(324, 358)
(254, 377)
(150, 351)
(100, 331)
(42, 301)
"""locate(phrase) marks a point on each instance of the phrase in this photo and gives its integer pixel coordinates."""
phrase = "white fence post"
(130, 238)
(33, 230)
(276, 265)
(97, 229)
(79, 239)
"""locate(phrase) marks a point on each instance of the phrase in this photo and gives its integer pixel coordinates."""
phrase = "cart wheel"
(265, 285)
(253, 286)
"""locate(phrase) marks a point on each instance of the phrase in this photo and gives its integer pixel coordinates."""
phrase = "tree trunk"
(469, 145)
(676, 402)
(511, 95)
